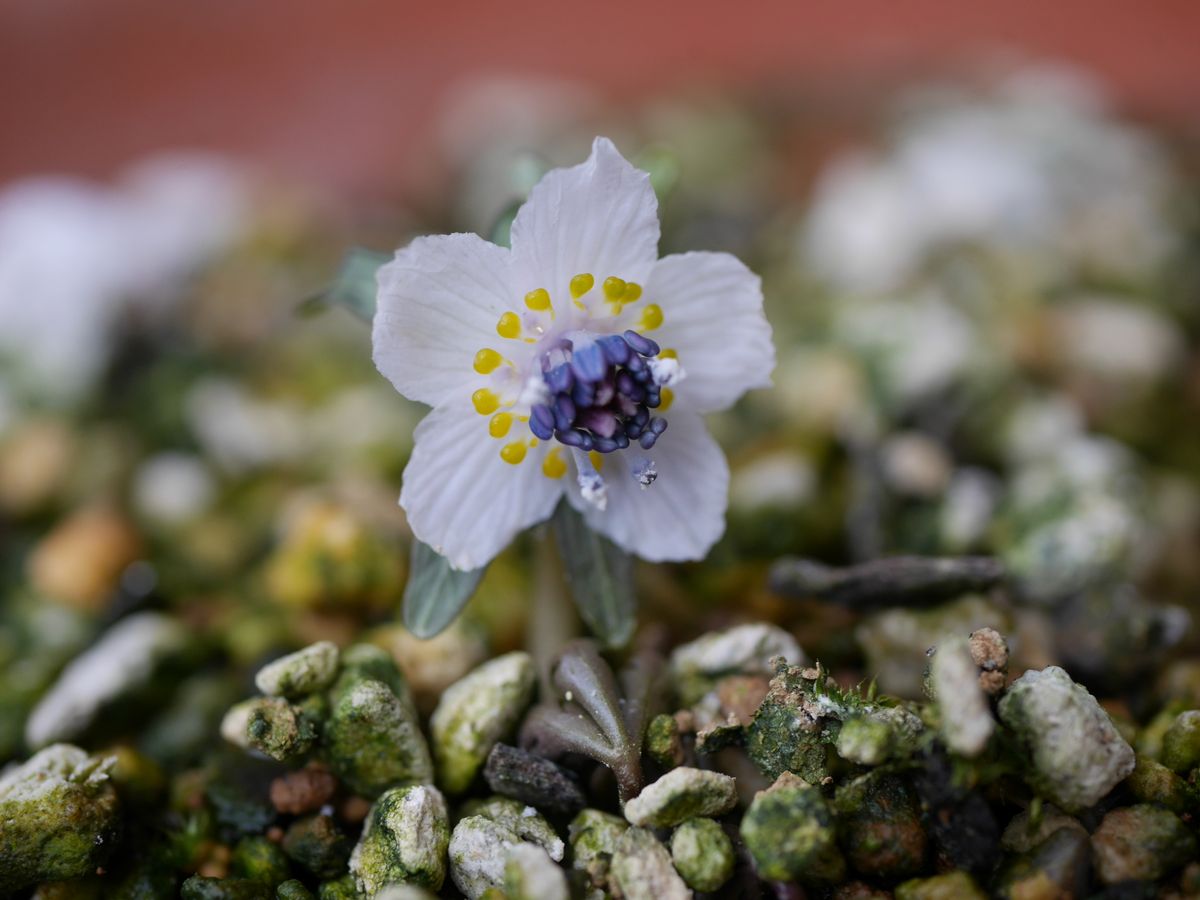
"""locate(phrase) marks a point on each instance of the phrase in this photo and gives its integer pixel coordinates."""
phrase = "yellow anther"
(538, 299)
(666, 398)
(614, 289)
(487, 360)
(509, 325)
(533, 442)
(597, 459)
(632, 293)
(513, 453)
(554, 466)
(500, 424)
(652, 317)
(669, 353)
(581, 284)
(486, 402)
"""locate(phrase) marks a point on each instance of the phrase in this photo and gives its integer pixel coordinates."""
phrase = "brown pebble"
(741, 695)
(303, 791)
(354, 809)
(274, 834)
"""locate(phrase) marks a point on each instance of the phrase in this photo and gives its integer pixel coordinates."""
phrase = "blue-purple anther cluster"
(601, 394)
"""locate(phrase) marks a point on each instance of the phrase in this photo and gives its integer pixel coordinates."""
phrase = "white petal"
(439, 302)
(713, 318)
(600, 217)
(462, 499)
(682, 514)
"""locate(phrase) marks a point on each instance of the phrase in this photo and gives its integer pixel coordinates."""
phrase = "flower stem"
(552, 619)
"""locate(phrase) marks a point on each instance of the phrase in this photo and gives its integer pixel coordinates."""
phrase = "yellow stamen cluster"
(597, 460)
(554, 466)
(666, 398)
(581, 284)
(500, 424)
(509, 325)
(513, 453)
(485, 401)
(538, 300)
(652, 317)
(487, 360)
(621, 293)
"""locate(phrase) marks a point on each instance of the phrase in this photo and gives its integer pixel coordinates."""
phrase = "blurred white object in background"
(1035, 166)
(76, 255)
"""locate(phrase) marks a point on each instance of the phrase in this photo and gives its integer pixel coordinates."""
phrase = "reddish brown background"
(346, 91)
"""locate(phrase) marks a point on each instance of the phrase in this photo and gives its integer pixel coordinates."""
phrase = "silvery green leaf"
(601, 578)
(354, 286)
(435, 593)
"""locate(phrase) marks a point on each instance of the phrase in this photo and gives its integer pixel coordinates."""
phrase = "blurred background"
(977, 228)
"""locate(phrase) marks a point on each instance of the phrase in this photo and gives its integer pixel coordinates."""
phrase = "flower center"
(589, 382)
(601, 391)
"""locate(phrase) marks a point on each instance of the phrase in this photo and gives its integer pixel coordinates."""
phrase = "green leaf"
(354, 286)
(601, 578)
(435, 593)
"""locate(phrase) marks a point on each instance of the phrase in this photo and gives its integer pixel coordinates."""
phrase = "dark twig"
(891, 581)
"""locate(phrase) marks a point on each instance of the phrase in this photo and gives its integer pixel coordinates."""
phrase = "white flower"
(539, 364)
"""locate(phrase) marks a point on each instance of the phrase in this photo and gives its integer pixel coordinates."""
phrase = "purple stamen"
(588, 363)
(647, 440)
(642, 345)
(622, 440)
(658, 426)
(653, 398)
(564, 412)
(573, 437)
(560, 379)
(541, 421)
(616, 351)
(599, 422)
(605, 445)
(584, 393)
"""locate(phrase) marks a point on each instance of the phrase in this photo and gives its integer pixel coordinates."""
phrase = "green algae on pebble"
(270, 725)
(317, 844)
(1152, 782)
(641, 869)
(293, 890)
(950, 886)
(478, 852)
(663, 744)
(1077, 753)
(1181, 742)
(60, 817)
(865, 740)
(702, 854)
(372, 739)
(259, 859)
(477, 712)
(682, 794)
(303, 672)
(339, 889)
(791, 834)
(530, 874)
(879, 824)
(1141, 843)
(787, 732)
(593, 837)
(523, 821)
(404, 839)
